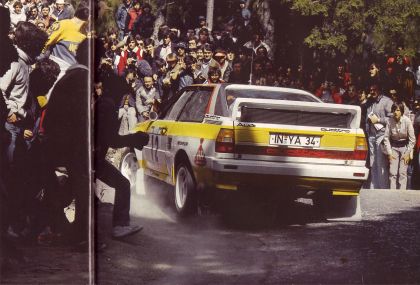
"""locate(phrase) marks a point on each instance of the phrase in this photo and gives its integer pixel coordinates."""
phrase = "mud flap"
(343, 208)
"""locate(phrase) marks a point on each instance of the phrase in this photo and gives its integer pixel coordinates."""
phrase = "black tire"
(185, 194)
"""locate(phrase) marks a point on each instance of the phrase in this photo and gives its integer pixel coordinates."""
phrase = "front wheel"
(185, 191)
(129, 167)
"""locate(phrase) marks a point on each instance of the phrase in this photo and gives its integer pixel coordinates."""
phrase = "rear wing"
(307, 113)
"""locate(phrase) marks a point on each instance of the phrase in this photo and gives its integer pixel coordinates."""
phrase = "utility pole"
(210, 11)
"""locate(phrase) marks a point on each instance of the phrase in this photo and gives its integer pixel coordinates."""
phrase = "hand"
(374, 119)
(145, 114)
(391, 157)
(406, 158)
(129, 61)
(12, 118)
(28, 134)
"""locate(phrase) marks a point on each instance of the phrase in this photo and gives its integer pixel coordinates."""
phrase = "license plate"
(295, 140)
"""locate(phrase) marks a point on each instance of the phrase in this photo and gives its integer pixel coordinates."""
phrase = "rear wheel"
(339, 208)
(185, 191)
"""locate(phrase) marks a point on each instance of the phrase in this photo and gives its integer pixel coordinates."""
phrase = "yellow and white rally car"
(227, 137)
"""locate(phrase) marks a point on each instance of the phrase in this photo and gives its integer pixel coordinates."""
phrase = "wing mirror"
(153, 116)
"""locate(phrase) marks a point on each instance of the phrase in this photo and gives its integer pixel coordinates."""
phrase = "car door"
(159, 132)
(189, 132)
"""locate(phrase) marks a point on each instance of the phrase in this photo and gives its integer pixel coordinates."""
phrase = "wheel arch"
(182, 156)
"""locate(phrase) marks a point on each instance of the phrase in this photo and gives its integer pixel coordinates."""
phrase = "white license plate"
(295, 140)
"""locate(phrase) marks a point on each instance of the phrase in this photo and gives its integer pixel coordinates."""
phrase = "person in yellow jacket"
(65, 36)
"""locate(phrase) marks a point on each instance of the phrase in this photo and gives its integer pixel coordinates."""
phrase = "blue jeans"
(379, 164)
(16, 134)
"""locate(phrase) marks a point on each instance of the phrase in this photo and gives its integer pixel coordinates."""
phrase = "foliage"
(356, 26)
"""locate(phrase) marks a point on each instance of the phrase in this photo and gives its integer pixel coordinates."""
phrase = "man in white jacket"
(14, 85)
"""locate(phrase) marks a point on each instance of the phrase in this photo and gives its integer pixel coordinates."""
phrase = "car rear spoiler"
(271, 104)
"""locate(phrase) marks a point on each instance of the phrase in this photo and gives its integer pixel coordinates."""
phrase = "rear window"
(232, 92)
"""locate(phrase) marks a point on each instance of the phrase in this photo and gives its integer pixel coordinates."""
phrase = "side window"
(173, 112)
(196, 107)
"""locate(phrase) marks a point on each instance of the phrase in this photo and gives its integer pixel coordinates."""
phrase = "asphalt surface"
(298, 246)
(295, 246)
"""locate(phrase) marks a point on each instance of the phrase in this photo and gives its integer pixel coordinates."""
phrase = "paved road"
(298, 247)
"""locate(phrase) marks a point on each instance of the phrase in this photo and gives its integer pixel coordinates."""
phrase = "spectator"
(214, 76)
(127, 109)
(14, 86)
(225, 68)
(171, 80)
(9, 56)
(122, 18)
(203, 37)
(202, 24)
(256, 42)
(44, 17)
(65, 37)
(106, 135)
(350, 97)
(190, 74)
(144, 23)
(399, 141)
(238, 75)
(192, 42)
(377, 115)
(32, 15)
(166, 48)
(208, 60)
(61, 11)
(147, 96)
(180, 51)
(133, 13)
(17, 15)
(245, 13)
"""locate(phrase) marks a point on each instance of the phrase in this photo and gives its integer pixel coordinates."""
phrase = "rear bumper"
(297, 175)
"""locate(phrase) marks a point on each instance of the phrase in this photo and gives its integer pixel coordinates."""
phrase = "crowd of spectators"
(45, 126)
(235, 52)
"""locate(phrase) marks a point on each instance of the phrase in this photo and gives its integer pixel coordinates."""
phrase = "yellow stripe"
(344, 193)
(227, 187)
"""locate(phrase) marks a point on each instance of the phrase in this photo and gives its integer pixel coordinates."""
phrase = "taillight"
(225, 141)
(361, 149)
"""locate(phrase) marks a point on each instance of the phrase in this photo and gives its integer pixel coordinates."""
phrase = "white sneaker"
(123, 231)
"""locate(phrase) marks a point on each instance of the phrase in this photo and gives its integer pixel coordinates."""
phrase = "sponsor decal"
(212, 117)
(200, 157)
(334, 130)
(246, 125)
(182, 143)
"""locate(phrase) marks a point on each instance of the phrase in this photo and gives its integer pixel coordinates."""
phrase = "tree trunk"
(210, 12)
(160, 18)
(262, 8)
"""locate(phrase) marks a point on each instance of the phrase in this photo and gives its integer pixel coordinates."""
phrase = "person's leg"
(382, 168)
(402, 171)
(132, 118)
(393, 170)
(108, 174)
(373, 168)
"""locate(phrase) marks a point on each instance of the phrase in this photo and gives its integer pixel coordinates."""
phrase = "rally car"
(228, 137)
